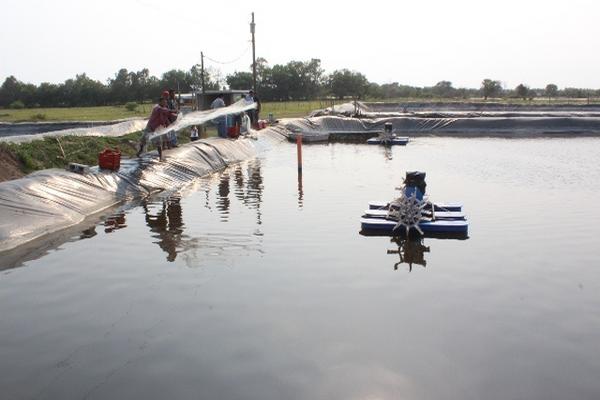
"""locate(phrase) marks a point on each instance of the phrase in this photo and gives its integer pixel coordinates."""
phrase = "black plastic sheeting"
(335, 127)
(52, 200)
(489, 109)
(489, 106)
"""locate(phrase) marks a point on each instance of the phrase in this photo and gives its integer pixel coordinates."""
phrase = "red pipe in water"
(299, 151)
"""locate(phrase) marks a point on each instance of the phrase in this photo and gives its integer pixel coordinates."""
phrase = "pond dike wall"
(51, 200)
(487, 106)
(337, 127)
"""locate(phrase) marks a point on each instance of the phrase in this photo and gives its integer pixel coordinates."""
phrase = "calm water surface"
(250, 286)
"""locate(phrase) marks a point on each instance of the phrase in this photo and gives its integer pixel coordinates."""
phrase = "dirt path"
(9, 166)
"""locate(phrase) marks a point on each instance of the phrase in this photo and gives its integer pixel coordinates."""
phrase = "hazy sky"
(411, 42)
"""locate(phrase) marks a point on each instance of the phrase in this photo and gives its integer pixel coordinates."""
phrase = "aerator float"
(413, 214)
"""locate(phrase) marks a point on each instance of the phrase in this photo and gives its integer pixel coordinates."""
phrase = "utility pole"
(202, 70)
(252, 29)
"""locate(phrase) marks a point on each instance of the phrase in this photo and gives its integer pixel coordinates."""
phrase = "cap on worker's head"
(165, 93)
(251, 92)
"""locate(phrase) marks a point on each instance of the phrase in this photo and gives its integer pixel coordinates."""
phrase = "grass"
(47, 153)
(109, 113)
(102, 113)
(290, 109)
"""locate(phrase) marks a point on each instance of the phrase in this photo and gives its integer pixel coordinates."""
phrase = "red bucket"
(110, 159)
(233, 131)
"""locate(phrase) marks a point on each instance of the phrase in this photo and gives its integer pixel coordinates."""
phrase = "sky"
(416, 43)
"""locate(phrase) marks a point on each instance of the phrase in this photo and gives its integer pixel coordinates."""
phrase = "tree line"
(296, 80)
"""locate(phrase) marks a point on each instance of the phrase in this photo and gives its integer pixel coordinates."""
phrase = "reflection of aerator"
(410, 252)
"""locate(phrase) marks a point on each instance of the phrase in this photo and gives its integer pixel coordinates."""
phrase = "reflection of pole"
(252, 29)
(300, 190)
(299, 151)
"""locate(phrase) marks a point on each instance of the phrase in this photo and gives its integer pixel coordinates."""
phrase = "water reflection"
(114, 222)
(88, 233)
(223, 202)
(300, 191)
(411, 251)
(167, 224)
(254, 189)
(234, 183)
(248, 189)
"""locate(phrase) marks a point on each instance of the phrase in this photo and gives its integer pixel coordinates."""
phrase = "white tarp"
(123, 128)
(201, 117)
(118, 129)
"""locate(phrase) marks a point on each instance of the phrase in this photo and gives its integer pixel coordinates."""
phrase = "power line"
(230, 61)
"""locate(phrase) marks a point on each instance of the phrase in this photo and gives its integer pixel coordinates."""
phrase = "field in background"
(101, 113)
(287, 109)
(108, 113)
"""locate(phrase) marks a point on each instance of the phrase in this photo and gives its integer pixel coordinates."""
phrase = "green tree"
(120, 88)
(343, 83)
(176, 78)
(443, 89)
(522, 91)
(47, 94)
(490, 88)
(10, 91)
(551, 90)
(240, 80)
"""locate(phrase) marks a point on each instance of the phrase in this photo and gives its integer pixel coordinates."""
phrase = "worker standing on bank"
(160, 117)
(219, 103)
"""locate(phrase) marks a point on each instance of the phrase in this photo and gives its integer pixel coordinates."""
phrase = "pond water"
(252, 284)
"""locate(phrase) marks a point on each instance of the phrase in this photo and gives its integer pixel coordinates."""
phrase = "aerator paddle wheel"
(407, 210)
